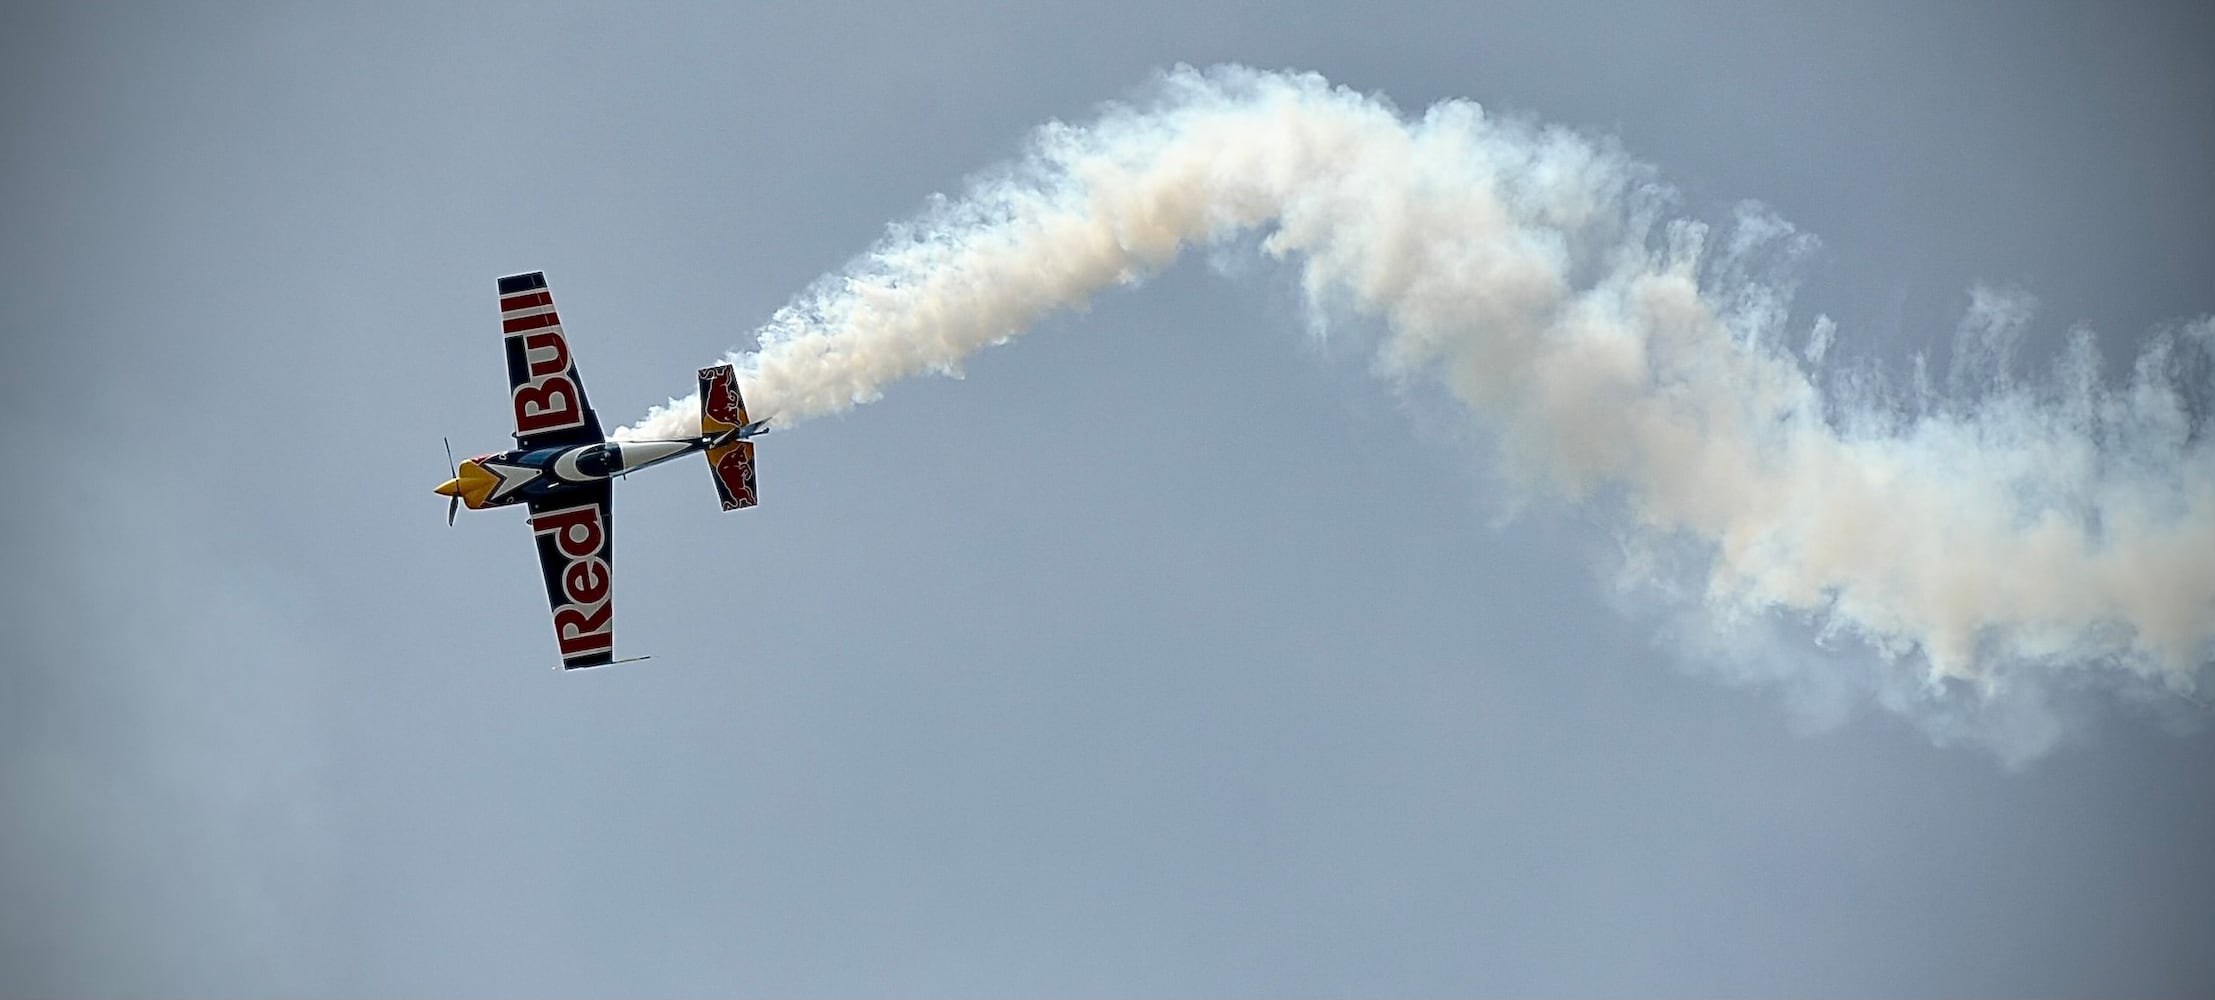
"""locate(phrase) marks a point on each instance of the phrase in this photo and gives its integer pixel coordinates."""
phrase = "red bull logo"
(735, 468)
(733, 465)
(720, 408)
(579, 584)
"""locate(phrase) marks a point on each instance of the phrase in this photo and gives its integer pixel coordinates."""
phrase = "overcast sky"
(1166, 653)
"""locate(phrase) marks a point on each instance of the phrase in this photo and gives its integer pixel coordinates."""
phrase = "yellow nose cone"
(450, 488)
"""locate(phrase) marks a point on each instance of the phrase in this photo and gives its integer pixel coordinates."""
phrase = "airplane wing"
(549, 398)
(575, 531)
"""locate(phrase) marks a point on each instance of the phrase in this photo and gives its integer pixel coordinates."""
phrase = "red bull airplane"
(564, 468)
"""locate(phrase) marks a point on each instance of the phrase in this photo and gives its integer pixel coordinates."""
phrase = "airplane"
(564, 468)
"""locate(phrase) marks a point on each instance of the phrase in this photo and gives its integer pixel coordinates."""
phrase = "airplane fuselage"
(512, 477)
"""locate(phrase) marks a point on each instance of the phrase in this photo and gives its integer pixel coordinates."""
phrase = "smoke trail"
(1996, 533)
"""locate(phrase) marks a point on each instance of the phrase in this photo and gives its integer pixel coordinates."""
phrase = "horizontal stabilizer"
(723, 416)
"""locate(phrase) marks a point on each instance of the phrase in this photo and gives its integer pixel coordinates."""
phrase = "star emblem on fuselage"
(512, 477)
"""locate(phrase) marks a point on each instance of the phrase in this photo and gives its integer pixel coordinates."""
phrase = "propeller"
(453, 505)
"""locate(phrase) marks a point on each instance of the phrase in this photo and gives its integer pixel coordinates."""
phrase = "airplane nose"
(450, 488)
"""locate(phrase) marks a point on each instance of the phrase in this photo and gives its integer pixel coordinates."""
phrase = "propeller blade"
(453, 506)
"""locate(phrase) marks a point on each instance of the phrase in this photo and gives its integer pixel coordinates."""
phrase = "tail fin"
(722, 413)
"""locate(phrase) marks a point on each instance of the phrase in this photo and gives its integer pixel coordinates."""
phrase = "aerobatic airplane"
(564, 468)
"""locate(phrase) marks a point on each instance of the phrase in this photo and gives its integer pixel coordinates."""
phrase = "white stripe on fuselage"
(565, 466)
(637, 455)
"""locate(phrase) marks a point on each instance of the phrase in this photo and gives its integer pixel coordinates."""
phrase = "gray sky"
(1082, 675)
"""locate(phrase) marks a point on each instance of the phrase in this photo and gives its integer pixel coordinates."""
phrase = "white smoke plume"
(1997, 532)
